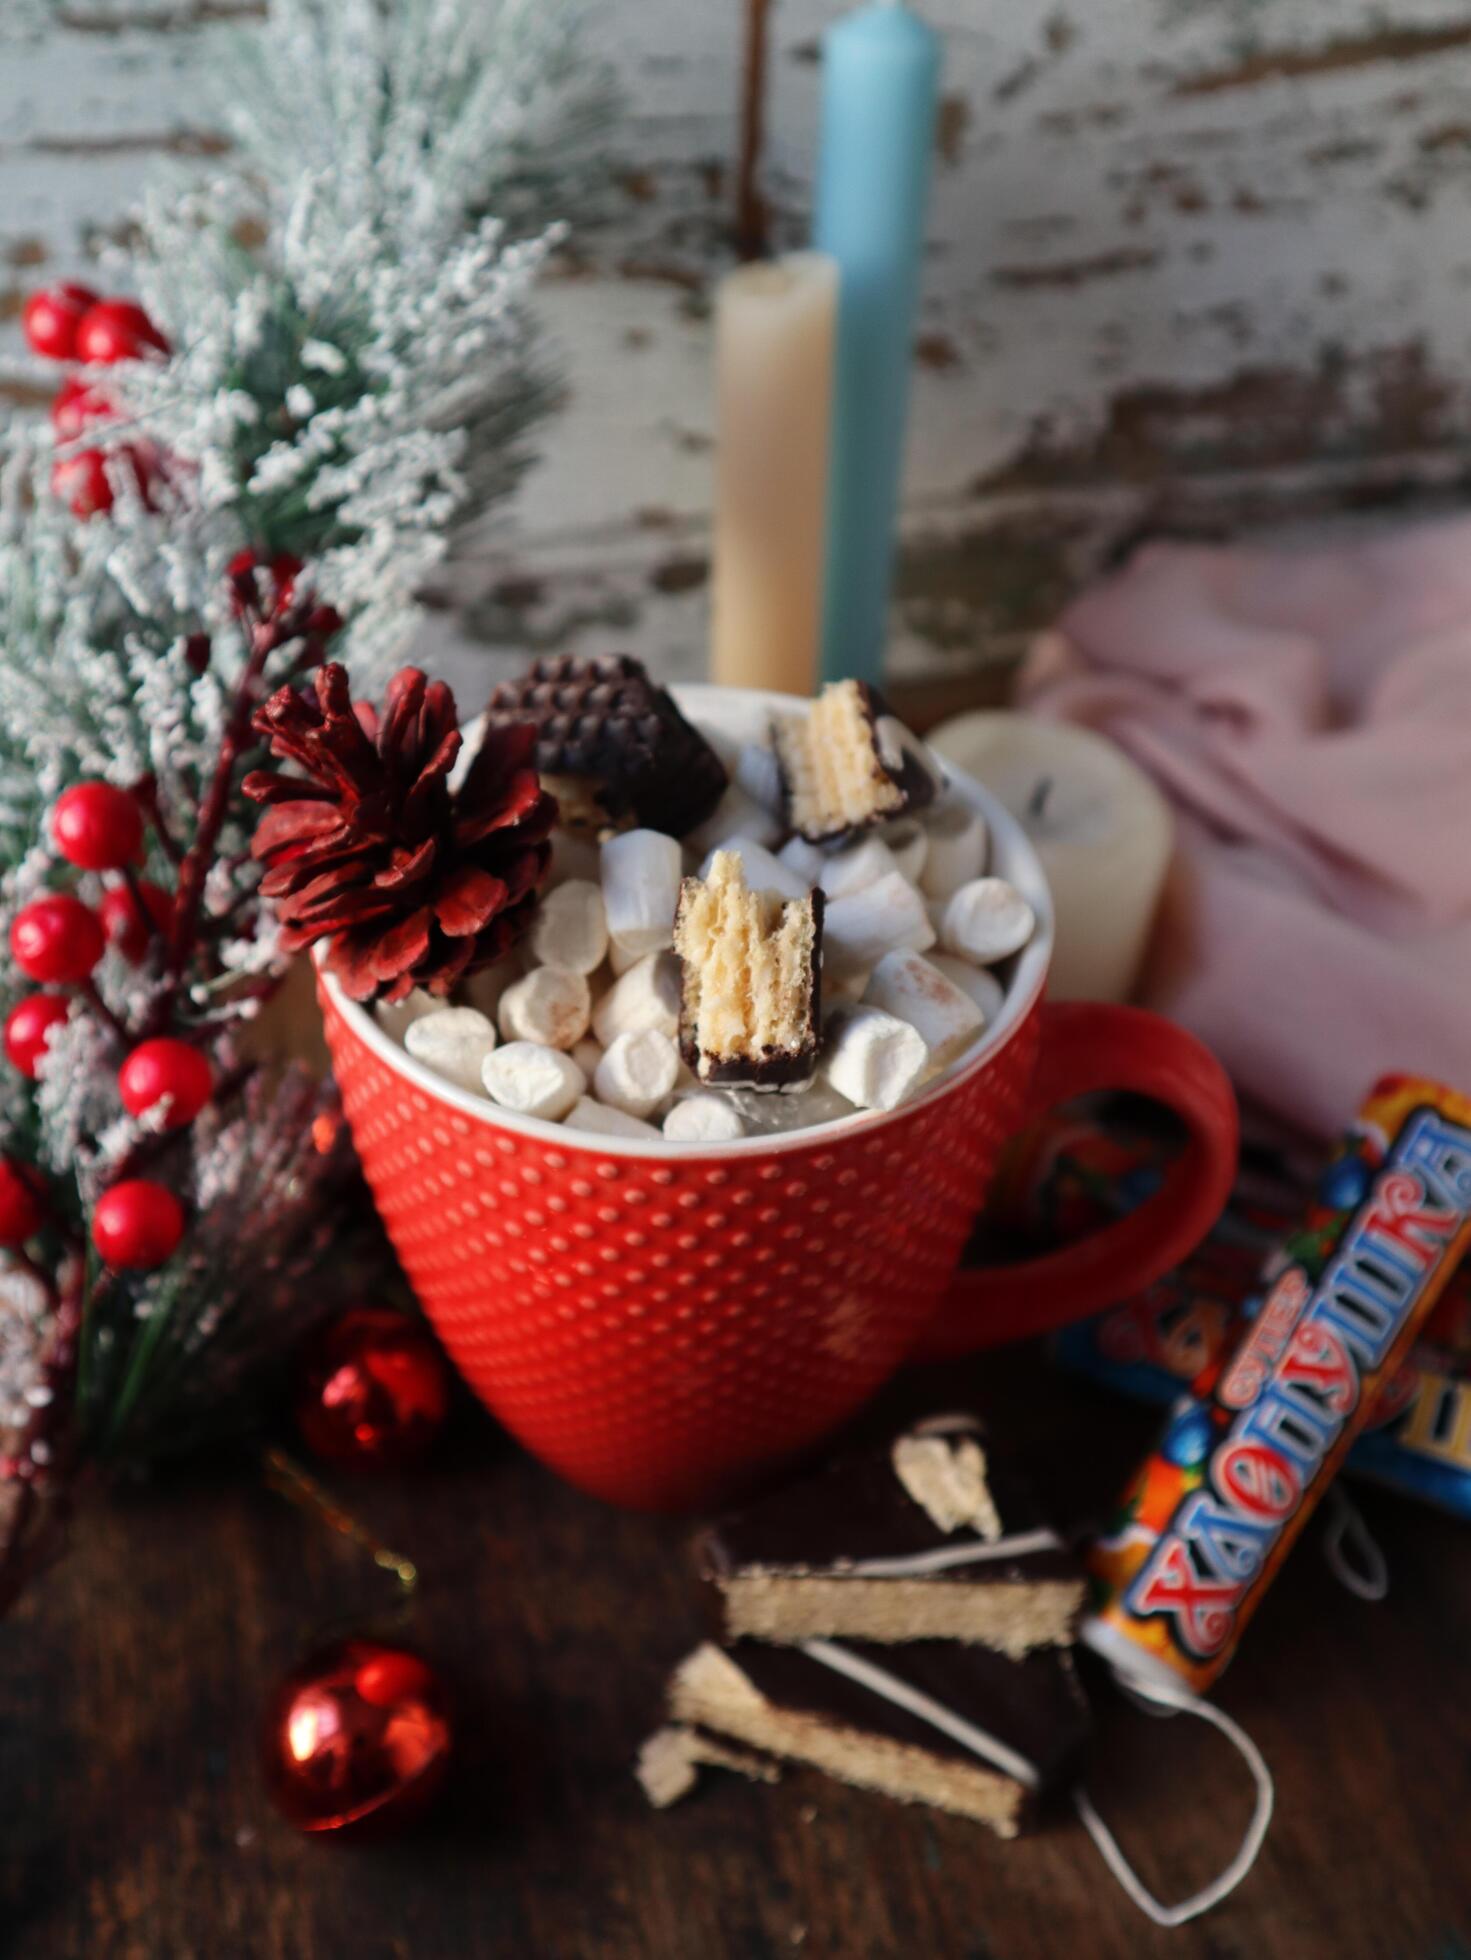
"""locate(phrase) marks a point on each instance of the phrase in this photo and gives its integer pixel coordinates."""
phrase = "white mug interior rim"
(1012, 857)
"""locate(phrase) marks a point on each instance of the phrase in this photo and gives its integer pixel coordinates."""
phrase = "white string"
(1182, 1700)
(944, 1557)
(1366, 1574)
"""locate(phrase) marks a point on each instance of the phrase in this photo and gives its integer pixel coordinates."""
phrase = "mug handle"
(1089, 1046)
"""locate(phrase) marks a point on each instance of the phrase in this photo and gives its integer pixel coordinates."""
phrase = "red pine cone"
(414, 884)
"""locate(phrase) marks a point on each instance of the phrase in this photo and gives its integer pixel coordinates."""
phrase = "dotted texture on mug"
(653, 1329)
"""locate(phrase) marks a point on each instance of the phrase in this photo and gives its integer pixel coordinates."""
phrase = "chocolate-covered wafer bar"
(612, 745)
(928, 1537)
(670, 1761)
(848, 763)
(751, 961)
(960, 1728)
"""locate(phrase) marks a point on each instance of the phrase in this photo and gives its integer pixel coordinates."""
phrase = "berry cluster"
(72, 323)
(57, 941)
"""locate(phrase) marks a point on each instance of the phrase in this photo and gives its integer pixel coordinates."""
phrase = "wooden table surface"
(133, 1825)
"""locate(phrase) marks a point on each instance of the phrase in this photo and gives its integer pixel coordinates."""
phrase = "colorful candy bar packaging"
(1079, 1172)
(1246, 1457)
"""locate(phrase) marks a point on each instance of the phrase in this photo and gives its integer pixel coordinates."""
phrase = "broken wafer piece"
(612, 744)
(927, 1538)
(848, 763)
(751, 963)
(669, 1763)
(960, 1728)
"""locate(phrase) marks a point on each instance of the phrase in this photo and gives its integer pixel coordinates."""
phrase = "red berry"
(51, 317)
(82, 483)
(97, 827)
(22, 1201)
(130, 929)
(76, 406)
(56, 940)
(164, 1068)
(117, 330)
(28, 1028)
(137, 1224)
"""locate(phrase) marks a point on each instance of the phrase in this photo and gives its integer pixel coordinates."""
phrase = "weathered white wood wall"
(1193, 261)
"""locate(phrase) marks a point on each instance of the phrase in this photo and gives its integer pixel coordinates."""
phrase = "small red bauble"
(82, 483)
(374, 1390)
(129, 928)
(357, 1738)
(117, 330)
(137, 1224)
(77, 406)
(163, 1067)
(56, 940)
(50, 319)
(22, 1201)
(28, 1028)
(97, 827)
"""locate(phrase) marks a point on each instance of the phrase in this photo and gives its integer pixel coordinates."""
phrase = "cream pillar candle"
(774, 327)
(1102, 830)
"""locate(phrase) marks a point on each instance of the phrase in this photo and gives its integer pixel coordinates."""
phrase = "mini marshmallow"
(985, 921)
(647, 996)
(907, 986)
(484, 989)
(620, 959)
(397, 1019)
(570, 929)
(736, 815)
(637, 1073)
(857, 930)
(532, 1080)
(594, 1116)
(704, 1119)
(958, 843)
(861, 865)
(909, 843)
(641, 870)
(984, 988)
(587, 1053)
(761, 871)
(846, 986)
(758, 773)
(803, 859)
(548, 1006)
(573, 856)
(872, 1058)
(453, 1041)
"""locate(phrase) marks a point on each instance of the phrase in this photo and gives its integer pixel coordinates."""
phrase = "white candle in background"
(774, 326)
(1102, 829)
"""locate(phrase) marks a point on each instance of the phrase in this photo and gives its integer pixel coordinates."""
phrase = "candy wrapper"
(1244, 1459)
(1076, 1174)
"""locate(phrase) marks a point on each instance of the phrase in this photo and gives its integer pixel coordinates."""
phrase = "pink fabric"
(1308, 713)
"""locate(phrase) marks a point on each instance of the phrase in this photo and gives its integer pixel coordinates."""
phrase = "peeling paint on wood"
(1191, 261)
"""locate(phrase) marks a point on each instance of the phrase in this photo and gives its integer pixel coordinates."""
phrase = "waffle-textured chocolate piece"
(750, 985)
(930, 1536)
(613, 745)
(849, 763)
(961, 1728)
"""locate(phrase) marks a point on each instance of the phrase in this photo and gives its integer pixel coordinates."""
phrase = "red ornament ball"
(130, 927)
(56, 940)
(117, 330)
(374, 1391)
(357, 1738)
(76, 406)
(22, 1201)
(97, 827)
(83, 484)
(51, 317)
(166, 1068)
(28, 1028)
(137, 1224)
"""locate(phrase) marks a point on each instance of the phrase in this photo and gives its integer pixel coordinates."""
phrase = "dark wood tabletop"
(135, 1827)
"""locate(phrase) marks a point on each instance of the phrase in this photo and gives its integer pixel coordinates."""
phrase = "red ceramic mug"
(657, 1322)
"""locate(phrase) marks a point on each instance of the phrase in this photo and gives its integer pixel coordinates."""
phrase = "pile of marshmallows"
(580, 1024)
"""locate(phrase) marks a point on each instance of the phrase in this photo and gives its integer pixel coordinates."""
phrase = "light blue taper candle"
(881, 70)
